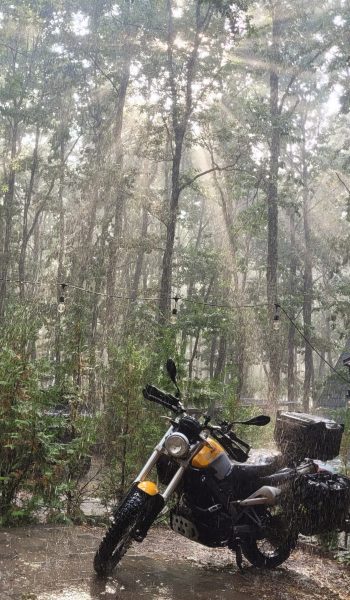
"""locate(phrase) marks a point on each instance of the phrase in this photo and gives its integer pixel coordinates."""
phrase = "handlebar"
(150, 392)
(234, 446)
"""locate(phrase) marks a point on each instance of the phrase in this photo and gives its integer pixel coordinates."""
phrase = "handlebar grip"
(150, 392)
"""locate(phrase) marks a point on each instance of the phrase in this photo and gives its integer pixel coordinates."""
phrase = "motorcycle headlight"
(177, 445)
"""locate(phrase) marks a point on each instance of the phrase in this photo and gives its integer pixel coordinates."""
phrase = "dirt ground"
(55, 563)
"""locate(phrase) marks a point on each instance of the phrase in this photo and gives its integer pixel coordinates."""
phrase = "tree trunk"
(192, 280)
(61, 252)
(213, 347)
(272, 211)
(167, 262)
(240, 362)
(291, 328)
(27, 203)
(125, 431)
(220, 363)
(308, 283)
(119, 196)
(180, 121)
(193, 354)
(229, 223)
(8, 213)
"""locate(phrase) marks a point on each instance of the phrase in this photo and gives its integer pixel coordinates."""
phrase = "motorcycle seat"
(246, 478)
(253, 471)
(256, 470)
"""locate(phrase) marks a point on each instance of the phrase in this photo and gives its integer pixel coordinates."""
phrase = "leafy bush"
(38, 468)
(130, 427)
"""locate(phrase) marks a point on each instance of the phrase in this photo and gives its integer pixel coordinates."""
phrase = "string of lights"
(63, 286)
(177, 298)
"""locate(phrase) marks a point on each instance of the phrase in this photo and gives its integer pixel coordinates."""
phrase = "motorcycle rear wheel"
(271, 551)
(120, 534)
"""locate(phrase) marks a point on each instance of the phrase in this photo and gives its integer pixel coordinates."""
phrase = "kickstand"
(239, 560)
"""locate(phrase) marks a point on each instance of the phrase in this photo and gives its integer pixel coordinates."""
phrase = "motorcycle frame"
(233, 513)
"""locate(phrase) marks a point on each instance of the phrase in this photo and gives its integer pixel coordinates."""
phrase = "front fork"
(151, 489)
(156, 500)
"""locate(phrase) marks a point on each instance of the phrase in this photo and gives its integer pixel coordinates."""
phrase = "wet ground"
(55, 563)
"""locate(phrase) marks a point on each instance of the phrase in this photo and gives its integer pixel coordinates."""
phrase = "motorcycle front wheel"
(120, 534)
(271, 551)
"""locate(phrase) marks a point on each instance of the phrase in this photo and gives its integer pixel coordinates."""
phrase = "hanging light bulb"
(61, 305)
(173, 317)
(276, 318)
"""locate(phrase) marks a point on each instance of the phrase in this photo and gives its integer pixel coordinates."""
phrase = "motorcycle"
(215, 499)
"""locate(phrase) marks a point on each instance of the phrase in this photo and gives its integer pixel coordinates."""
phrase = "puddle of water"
(52, 563)
(141, 578)
(55, 563)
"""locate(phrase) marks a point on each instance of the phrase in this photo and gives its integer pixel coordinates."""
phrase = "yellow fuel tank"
(207, 454)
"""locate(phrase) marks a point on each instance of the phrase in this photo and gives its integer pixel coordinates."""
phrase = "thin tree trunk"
(8, 212)
(213, 347)
(229, 224)
(27, 203)
(119, 198)
(61, 252)
(329, 342)
(125, 431)
(167, 266)
(221, 356)
(191, 283)
(143, 235)
(291, 328)
(180, 121)
(272, 210)
(240, 346)
(196, 341)
(193, 355)
(308, 283)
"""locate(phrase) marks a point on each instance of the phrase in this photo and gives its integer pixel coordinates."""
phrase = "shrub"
(38, 468)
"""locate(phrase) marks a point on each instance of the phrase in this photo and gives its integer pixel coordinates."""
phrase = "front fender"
(155, 505)
(149, 487)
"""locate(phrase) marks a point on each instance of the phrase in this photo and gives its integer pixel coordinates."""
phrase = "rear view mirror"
(172, 372)
(171, 369)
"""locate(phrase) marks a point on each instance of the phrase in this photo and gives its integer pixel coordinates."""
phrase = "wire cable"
(340, 375)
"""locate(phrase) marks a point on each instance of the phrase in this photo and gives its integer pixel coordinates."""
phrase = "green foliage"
(25, 446)
(41, 454)
(129, 427)
(329, 541)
